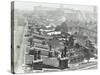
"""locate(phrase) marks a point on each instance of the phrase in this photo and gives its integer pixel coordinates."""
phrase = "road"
(21, 52)
(84, 66)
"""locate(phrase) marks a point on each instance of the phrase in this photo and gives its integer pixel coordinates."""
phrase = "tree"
(87, 54)
(63, 27)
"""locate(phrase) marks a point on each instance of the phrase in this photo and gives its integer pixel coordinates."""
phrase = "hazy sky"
(29, 6)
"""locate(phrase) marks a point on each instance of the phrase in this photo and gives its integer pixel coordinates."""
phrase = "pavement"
(83, 66)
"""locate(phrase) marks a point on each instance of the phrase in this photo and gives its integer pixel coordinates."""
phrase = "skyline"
(30, 6)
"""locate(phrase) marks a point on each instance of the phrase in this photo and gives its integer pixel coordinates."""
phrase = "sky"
(30, 6)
